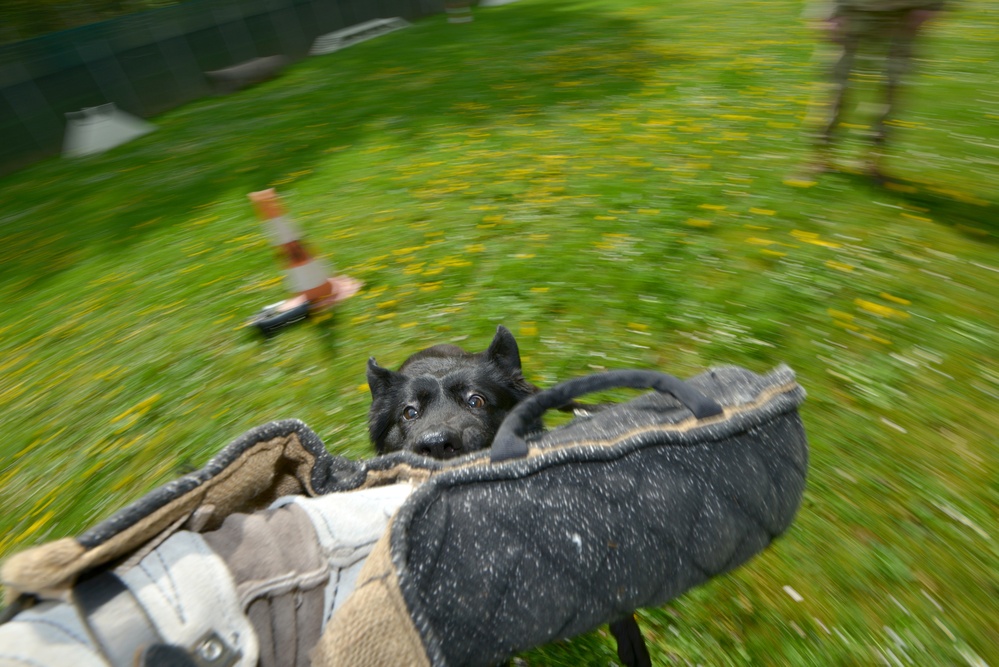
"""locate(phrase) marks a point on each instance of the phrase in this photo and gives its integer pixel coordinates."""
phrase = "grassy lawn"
(605, 178)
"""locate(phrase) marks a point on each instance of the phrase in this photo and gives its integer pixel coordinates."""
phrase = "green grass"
(605, 178)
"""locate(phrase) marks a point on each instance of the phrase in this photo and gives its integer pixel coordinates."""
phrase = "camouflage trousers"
(887, 38)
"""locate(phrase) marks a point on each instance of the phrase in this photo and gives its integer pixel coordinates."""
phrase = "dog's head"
(444, 401)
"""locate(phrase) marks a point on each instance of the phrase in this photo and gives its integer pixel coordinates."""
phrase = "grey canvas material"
(49, 634)
(628, 507)
(186, 590)
(279, 573)
(182, 589)
(267, 580)
(347, 525)
(296, 562)
(114, 618)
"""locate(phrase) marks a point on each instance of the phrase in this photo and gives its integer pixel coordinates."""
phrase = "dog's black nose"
(439, 444)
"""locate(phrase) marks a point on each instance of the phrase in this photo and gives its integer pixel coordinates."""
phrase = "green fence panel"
(150, 62)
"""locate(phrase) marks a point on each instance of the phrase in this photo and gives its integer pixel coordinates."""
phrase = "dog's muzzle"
(439, 444)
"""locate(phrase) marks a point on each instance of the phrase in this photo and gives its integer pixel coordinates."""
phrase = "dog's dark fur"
(443, 401)
(431, 406)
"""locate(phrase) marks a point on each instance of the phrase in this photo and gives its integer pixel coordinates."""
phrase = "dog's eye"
(410, 413)
(475, 401)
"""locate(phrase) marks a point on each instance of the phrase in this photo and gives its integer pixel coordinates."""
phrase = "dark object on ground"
(270, 319)
(231, 79)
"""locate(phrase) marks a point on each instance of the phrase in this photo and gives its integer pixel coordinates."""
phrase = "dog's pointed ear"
(380, 380)
(503, 351)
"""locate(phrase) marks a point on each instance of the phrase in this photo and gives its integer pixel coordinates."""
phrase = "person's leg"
(901, 37)
(295, 563)
(839, 82)
(178, 598)
(255, 592)
(844, 31)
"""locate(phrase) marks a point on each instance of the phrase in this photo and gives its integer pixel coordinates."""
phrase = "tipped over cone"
(307, 277)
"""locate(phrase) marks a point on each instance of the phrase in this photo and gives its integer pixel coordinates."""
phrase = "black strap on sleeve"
(116, 620)
(509, 442)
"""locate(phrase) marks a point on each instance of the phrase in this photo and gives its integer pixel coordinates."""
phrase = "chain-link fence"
(150, 62)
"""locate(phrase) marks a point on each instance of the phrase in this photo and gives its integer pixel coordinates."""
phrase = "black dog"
(444, 401)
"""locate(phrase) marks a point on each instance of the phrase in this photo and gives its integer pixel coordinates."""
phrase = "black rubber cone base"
(270, 319)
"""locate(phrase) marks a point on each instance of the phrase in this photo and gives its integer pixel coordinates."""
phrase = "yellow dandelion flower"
(139, 408)
(839, 266)
(897, 299)
(879, 310)
(813, 238)
(33, 528)
(409, 250)
(800, 182)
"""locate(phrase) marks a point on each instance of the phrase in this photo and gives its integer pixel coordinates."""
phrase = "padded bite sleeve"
(628, 508)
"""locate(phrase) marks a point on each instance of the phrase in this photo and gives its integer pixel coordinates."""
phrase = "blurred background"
(607, 178)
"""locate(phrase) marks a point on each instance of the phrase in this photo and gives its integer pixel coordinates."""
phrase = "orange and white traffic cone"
(306, 276)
